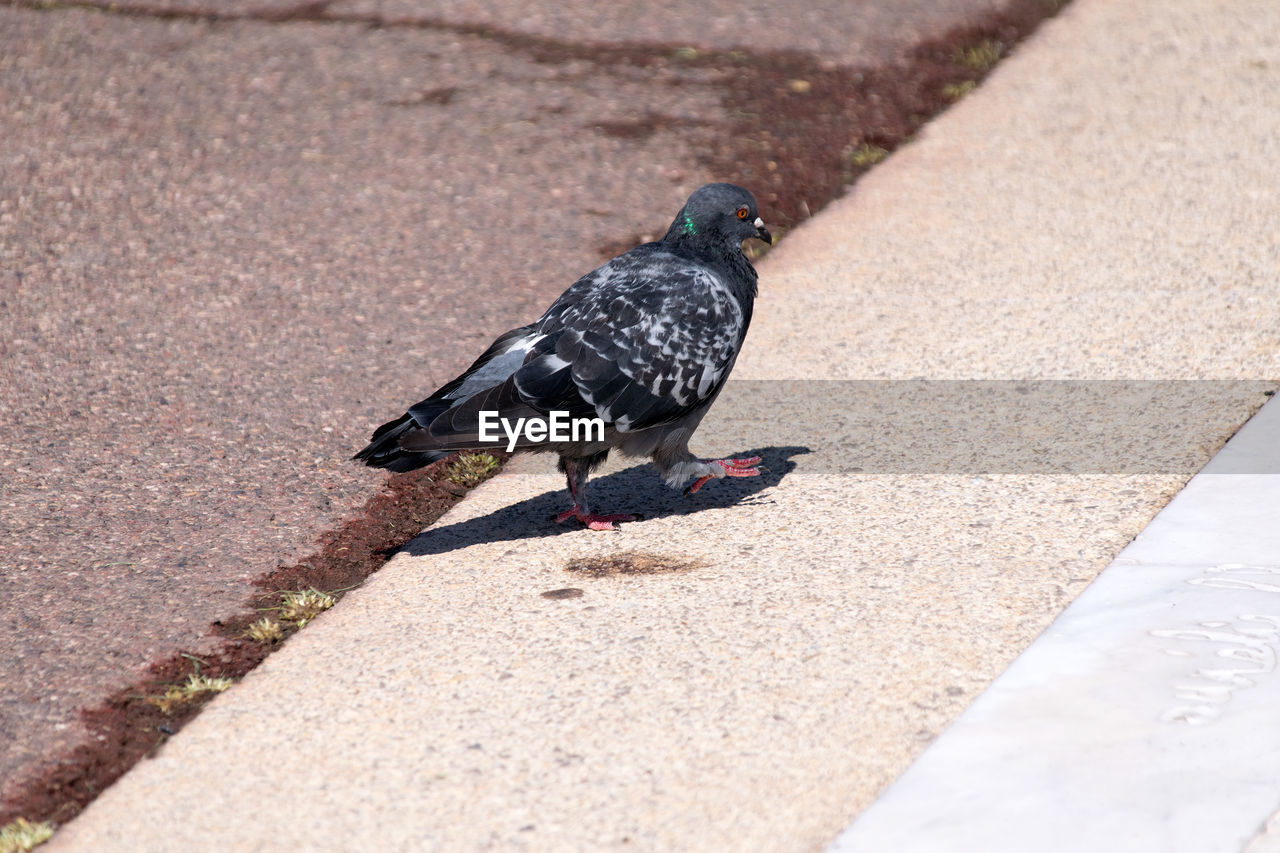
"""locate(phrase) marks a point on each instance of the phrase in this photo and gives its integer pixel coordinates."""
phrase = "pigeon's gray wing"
(640, 342)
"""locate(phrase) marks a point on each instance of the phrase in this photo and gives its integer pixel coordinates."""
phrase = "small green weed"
(180, 694)
(982, 56)
(265, 630)
(472, 469)
(302, 606)
(20, 835)
(866, 155)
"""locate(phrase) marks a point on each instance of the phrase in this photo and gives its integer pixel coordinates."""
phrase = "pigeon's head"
(719, 213)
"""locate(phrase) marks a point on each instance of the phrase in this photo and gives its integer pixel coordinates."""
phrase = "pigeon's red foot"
(732, 468)
(592, 520)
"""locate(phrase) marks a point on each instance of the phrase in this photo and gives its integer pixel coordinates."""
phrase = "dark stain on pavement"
(563, 594)
(440, 96)
(630, 563)
(645, 126)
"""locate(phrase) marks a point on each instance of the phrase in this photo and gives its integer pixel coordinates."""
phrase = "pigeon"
(639, 348)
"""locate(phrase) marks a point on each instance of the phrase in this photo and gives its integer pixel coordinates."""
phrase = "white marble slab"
(1147, 718)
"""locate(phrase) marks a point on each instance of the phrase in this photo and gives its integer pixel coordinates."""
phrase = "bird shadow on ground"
(638, 490)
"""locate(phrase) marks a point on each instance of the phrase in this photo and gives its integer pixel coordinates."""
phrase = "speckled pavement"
(747, 668)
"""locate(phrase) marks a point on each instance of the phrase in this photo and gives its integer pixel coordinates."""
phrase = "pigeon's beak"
(762, 232)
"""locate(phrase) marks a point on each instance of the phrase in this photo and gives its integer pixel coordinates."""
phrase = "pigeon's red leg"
(732, 468)
(592, 520)
(575, 471)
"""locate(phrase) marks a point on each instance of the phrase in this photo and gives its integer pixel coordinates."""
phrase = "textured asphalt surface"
(230, 247)
(762, 659)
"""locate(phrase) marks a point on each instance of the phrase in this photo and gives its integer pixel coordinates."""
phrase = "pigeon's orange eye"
(743, 213)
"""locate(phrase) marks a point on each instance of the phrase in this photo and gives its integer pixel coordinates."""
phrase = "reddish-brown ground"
(794, 123)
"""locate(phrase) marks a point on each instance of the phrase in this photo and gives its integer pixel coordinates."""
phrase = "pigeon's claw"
(730, 468)
(594, 521)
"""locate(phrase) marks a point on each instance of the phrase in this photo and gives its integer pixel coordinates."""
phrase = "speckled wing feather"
(641, 341)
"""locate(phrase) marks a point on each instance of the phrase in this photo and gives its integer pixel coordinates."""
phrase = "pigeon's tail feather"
(458, 427)
(384, 450)
(405, 461)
